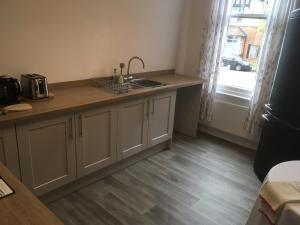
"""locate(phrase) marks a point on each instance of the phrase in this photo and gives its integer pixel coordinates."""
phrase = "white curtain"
(270, 52)
(214, 34)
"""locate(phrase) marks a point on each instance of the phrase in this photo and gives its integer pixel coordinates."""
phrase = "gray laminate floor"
(201, 181)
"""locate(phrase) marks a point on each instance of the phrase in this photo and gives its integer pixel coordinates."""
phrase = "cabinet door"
(96, 139)
(161, 119)
(132, 127)
(9, 149)
(47, 153)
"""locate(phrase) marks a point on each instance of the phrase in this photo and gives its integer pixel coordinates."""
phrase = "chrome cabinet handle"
(153, 101)
(148, 108)
(71, 128)
(80, 125)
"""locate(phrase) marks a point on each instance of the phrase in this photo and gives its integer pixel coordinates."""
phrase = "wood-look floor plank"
(170, 205)
(213, 157)
(222, 190)
(218, 171)
(199, 181)
(116, 207)
(160, 216)
(192, 186)
(212, 182)
(139, 203)
(162, 185)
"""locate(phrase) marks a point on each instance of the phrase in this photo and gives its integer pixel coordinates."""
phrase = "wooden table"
(22, 207)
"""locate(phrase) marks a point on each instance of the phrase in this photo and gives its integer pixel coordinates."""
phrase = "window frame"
(249, 49)
(230, 92)
(233, 39)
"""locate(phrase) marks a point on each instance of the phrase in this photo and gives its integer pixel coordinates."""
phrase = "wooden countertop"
(22, 207)
(79, 96)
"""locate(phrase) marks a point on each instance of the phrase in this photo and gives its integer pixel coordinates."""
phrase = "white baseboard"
(250, 144)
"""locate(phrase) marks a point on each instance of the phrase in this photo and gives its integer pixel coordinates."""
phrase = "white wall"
(183, 37)
(196, 12)
(78, 39)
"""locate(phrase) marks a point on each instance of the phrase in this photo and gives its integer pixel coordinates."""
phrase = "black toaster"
(10, 90)
(34, 86)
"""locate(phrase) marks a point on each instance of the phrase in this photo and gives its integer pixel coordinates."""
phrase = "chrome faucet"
(128, 76)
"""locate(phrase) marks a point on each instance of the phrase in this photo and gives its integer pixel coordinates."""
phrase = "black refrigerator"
(280, 138)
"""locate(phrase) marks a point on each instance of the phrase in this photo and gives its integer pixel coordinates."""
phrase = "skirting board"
(94, 177)
(250, 144)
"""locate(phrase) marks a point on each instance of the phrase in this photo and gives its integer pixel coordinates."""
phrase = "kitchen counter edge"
(75, 96)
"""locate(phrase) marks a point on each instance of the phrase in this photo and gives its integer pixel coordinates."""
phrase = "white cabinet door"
(47, 153)
(96, 139)
(132, 127)
(161, 119)
(9, 149)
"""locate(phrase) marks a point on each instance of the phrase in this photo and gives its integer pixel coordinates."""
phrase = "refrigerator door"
(286, 88)
(279, 142)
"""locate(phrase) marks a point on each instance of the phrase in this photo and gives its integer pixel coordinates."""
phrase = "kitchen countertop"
(22, 207)
(70, 97)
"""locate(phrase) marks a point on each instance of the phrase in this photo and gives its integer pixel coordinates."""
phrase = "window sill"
(233, 95)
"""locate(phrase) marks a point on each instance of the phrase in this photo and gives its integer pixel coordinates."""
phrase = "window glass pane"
(251, 6)
(241, 52)
(253, 51)
(243, 42)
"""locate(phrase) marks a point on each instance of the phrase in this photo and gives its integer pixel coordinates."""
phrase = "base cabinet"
(9, 149)
(132, 127)
(161, 118)
(95, 139)
(47, 153)
(144, 123)
(53, 151)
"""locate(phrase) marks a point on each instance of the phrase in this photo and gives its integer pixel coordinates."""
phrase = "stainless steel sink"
(109, 85)
(146, 83)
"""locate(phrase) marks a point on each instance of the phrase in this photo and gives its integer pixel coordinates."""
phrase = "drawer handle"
(71, 128)
(153, 106)
(80, 125)
(148, 108)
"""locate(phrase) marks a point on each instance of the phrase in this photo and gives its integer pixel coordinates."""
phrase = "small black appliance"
(10, 90)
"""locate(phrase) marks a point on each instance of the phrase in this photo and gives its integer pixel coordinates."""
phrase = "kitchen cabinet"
(53, 151)
(132, 127)
(9, 149)
(144, 123)
(47, 152)
(161, 118)
(96, 139)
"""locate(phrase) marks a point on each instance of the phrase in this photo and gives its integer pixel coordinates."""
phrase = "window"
(253, 51)
(232, 39)
(241, 3)
(242, 47)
